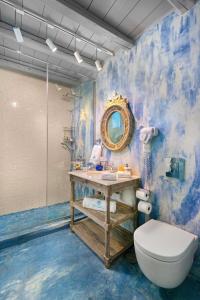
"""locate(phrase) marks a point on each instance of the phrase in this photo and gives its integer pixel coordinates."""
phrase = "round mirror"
(115, 127)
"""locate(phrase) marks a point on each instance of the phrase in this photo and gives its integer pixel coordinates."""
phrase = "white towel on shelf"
(97, 204)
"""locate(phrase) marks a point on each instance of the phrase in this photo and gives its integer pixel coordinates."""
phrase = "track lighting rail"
(51, 24)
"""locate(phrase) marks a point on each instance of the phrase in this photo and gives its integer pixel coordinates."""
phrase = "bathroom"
(64, 68)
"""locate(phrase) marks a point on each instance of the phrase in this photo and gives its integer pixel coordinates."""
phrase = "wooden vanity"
(101, 231)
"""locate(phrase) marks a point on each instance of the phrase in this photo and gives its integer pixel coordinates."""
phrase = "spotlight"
(98, 65)
(20, 11)
(18, 34)
(51, 45)
(78, 57)
(50, 26)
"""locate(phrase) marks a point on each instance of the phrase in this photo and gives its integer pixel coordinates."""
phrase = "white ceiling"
(109, 24)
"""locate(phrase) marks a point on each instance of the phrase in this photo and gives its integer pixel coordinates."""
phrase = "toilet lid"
(163, 241)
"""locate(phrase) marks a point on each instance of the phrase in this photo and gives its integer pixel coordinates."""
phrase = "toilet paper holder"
(142, 194)
(144, 207)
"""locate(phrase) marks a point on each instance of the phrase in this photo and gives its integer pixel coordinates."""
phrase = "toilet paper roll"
(142, 194)
(144, 207)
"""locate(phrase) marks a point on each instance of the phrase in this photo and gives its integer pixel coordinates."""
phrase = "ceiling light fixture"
(50, 26)
(18, 34)
(98, 63)
(77, 54)
(17, 31)
(20, 12)
(78, 57)
(51, 45)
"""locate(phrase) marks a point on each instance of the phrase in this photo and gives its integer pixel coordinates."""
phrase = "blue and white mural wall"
(82, 120)
(160, 77)
(83, 127)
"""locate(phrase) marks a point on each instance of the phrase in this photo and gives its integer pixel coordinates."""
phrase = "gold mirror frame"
(117, 104)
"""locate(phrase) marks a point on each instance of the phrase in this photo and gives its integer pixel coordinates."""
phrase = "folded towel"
(109, 176)
(97, 204)
(125, 174)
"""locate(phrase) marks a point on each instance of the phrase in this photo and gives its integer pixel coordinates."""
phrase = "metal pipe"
(55, 25)
(47, 133)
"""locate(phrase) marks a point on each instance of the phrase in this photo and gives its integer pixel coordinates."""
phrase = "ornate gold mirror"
(117, 124)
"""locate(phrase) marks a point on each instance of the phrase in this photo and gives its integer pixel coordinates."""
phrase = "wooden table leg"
(135, 221)
(71, 204)
(107, 230)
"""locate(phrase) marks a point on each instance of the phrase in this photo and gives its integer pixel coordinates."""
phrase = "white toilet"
(164, 252)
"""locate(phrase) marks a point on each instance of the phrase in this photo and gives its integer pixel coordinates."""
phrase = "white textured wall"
(23, 143)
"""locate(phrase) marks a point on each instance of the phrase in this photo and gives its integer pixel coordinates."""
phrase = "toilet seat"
(163, 241)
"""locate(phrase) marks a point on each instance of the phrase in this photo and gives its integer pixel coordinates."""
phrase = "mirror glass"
(115, 127)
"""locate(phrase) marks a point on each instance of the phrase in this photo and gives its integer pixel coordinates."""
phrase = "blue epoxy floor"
(59, 266)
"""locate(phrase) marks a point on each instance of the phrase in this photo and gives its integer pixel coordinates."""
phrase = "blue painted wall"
(160, 77)
(83, 122)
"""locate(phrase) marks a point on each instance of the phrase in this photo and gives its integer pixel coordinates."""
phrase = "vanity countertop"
(95, 176)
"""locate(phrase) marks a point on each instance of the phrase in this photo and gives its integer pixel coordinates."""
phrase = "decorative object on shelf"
(103, 162)
(78, 164)
(99, 167)
(121, 168)
(117, 124)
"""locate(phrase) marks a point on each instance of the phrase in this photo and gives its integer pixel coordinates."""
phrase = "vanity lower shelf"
(123, 213)
(93, 236)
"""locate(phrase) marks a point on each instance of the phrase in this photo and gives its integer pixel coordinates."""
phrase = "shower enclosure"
(34, 186)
